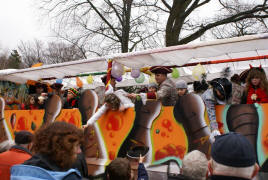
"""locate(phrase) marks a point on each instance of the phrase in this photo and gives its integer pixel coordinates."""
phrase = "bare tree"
(48, 53)
(181, 17)
(32, 52)
(61, 52)
(107, 26)
(240, 28)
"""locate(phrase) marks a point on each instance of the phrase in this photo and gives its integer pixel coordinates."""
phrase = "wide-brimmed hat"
(160, 70)
(138, 151)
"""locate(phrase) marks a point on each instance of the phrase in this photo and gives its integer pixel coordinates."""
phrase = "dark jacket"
(44, 162)
(217, 177)
(142, 173)
(81, 165)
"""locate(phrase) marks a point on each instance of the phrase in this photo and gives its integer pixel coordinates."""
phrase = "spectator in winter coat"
(55, 149)
(232, 158)
(18, 153)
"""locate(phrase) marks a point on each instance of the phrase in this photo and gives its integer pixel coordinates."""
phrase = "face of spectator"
(159, 78)
(77, 150)
(181, 92)
(151, 89)
(255, 81)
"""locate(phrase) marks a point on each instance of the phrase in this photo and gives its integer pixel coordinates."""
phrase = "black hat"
(160, 70)
(56, 86)
(138, 151)
(223, 85)
(23, 137)
(233, 149)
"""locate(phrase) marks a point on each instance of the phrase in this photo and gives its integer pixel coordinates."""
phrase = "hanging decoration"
(119, 79)
(117, 70)
(90, 79)
(197, 72)
(140, 79)
(175, 73)
(79, 82)
(135, 73)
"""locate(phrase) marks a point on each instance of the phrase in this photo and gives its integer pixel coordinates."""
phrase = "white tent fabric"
(246, 46)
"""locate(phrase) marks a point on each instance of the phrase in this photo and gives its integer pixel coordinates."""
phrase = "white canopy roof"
(246, 46)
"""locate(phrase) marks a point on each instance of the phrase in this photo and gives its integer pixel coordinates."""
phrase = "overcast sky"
(19, 20)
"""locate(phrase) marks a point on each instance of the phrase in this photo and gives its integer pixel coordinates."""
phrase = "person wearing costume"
(72, 99)
(237, 89)
(166, 92)
(256, 90)
(100, 91)
(182, 88)
(113, 100)
(220, 93)
(152, 87)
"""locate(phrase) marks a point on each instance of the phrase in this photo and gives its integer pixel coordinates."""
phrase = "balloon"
(79, 83)
(59, 81)
(197, 72)
(152, 79)
(135, 73)
(140, 79)
(117, 70)
(119, 79)
(90, 79)
(175, 73)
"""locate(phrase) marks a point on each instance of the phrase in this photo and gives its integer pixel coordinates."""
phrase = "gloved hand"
(214, 133)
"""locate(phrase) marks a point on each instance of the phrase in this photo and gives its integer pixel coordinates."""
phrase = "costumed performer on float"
(114, 100)
(256, 90)
(166, 92)
(219, 93)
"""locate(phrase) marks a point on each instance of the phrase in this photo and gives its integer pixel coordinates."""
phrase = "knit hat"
(181, 84)
(152, 85)
(233, 149)
(73, 91)
(23, 137)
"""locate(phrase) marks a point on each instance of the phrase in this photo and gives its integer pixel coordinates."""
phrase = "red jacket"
(16, 155)
(261, 96)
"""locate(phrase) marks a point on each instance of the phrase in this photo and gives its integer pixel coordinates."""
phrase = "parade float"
(169, 132)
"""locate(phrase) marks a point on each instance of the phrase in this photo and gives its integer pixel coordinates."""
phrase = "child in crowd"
(181, 87)
(31, 103)
(220, 93)
(152, 87)
(72, 99)
(256, 87)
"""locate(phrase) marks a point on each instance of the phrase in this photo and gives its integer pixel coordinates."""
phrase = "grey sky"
(19, 20)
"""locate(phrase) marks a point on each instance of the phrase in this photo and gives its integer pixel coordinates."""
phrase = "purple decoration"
(135, 73)
(119, 79)
(117, 70)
